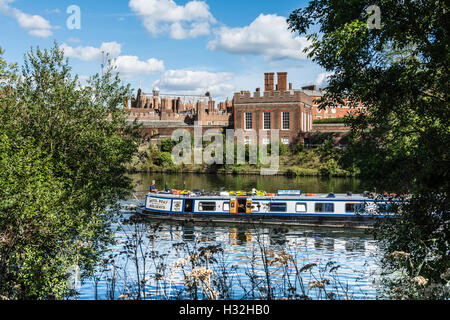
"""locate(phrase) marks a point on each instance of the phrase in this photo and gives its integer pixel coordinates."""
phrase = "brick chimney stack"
(268, 81)
(282, 81)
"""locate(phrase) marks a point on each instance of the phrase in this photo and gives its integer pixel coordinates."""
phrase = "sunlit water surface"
(351, 255)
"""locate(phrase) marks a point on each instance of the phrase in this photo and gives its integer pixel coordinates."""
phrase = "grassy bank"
(329, 121)
(324, 161)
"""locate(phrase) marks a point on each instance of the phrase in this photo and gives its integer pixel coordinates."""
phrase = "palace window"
(266, 141)
(248, 121)
(267, 121)
(285, 120)
(285, 141)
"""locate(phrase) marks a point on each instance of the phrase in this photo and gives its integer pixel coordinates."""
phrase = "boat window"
(383, 207)
(188, 204)
(324, 207)
(207, 206)
(278, 207)
(226, 206)
(354, 207)
(255, 206)
(300, 207)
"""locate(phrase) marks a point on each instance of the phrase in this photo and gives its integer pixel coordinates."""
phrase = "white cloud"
(27, 21)
(4, 5)
(188, 21)
(177, 31)
(267, 35)
(127, 66)
(34, 24)
(91, 53)
(196, 82)
(41, 33)
(322, 79)
(131, 67)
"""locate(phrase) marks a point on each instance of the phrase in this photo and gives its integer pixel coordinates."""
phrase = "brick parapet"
(295, 96)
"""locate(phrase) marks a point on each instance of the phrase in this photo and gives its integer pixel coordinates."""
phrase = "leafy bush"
(300, 147)
(301, 172)
(164, 159)
(64, 149)
(167, 145)
(329, 120)
(330, 168)
(284, 149)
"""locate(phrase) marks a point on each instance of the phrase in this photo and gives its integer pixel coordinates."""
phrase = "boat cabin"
(284, 202)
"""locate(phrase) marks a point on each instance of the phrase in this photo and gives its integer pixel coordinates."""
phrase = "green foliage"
(164, 159)
(167, 145)
(284, 149)
(329, 120)
(301, 172)
(327, 149)
(402, 143)
(237, 169)
(329, 168)
(318, 138)
(298, 162)
(63, 151)
(31, 223)
(299, 147)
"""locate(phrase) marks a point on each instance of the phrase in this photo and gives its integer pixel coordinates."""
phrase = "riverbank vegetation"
(198, 268)
(329, 121)
(63, 150)
(325, 160)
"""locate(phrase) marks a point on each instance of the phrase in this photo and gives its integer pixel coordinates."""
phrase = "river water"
(346, 261)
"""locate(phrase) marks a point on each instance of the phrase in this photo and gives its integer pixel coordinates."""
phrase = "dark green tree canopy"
(400, 72)
(63, 154)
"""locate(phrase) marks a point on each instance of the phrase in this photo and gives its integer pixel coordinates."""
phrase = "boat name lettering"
(159, 204)
(289, 192)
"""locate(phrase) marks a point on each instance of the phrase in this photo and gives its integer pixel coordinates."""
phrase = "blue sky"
(178, 46)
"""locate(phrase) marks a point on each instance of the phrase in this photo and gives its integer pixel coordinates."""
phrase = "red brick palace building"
(278, 107)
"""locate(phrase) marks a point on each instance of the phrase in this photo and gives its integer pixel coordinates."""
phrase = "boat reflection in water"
(315, 238)
(241, 250)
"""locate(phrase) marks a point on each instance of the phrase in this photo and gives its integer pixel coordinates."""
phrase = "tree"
(400, 72)
(167, 145)
(164, 159)
(63, 151)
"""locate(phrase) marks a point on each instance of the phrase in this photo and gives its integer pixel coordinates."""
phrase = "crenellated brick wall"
(295, 103)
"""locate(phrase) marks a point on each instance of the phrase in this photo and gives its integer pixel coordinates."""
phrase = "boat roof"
(319, 196)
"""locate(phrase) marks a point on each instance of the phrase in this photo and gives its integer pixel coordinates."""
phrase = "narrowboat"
(286, 207)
